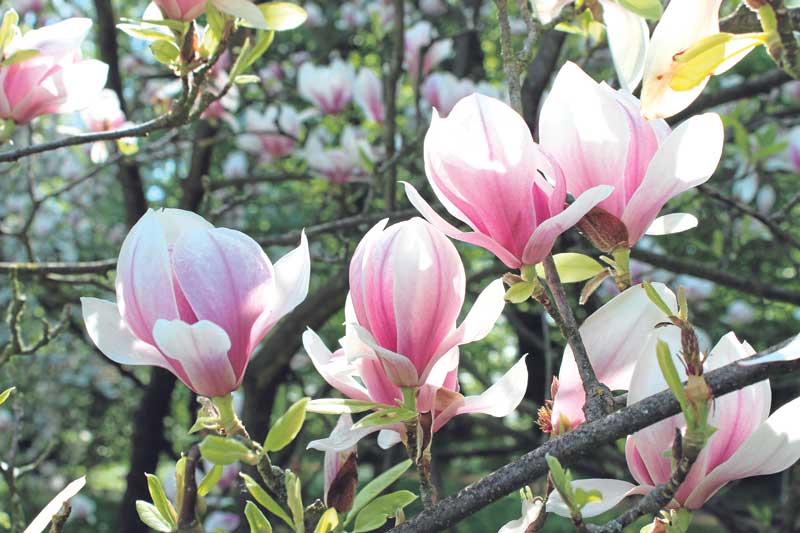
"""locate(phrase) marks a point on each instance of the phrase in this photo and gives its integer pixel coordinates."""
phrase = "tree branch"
(585, 439)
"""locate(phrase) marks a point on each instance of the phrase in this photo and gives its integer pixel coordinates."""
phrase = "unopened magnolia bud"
(605, 231)
(342, 491)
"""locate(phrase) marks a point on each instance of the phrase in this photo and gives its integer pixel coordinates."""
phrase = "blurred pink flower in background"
(55, 80)
(329, 88)
(419, 37)
(272, 134)
(368, 94)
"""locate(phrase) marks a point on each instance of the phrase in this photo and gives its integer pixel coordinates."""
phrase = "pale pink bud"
(327, 87)
(486, 170)
(599, 138)
(56, 80)
(418, 37)
(194, 299)
(368, 94)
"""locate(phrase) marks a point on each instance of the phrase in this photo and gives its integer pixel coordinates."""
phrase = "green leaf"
(656, 299)
(294, 499)
(585, 497)
(209, 480)
(216, 20)
(265, 499)
(222, 451)
(180, 472)
(6, 393)
(328, 522)
(143, 32)
(375, 487)
(164, 51)
(256, 519)
(561, 479)
(286, 427)
(151, 517)
(519, 292)
(281, 16)
(381, 509)
(341, 406)
(649, 9)
(5, 520)
(250, 52)
(573, 268)
(244, 79)
(711, 55)
(161, 501)
(178, 26)
(670, 373)
(385, 416)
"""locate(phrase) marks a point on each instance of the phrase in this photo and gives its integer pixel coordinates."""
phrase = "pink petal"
(687, 158)
(334, 368)
(399, 368)
(228, 280)
(202, 349)
(543, 239)
(114, 338)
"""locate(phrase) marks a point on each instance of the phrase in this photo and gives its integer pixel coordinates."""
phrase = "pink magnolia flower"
(368, 94)
(188, 10)
(329, 88)
(194, 299)
(417, 37)
(486, 170)
(26, 6)
(104, 113)
(56, 80)
(273, 133)
(616, 337)
(442, 90)
(433, 8)
(343, 164)
(748, 441)
(598, 137)
(407, 286)
(335, 462)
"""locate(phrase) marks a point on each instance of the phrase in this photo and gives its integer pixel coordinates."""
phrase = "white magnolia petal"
(531, 510)
(388, 438)
(44, 517)
(337, 371)
(343, 438)
(613, 491)
(114, 338)
(790, 352)
(672, 223)
(628, 37)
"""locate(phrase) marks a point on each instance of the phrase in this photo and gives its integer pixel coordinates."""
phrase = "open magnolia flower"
(688, 31)
(407, 288)
(598, 137)
(43, 71)
(616, 336)
(194, 299)
(368, 94)
(271, 134)
(329, 88)
(748, 441)
(188, 10)
(484, 167)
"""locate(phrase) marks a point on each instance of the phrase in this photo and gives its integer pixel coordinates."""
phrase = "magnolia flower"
(329, 88)
(486, 170)
(417, 37)
(616, 336)
(26, 6)
(683, 24)
(748, 441)
(273, 133)
(598, 137)
(368, 94)
(55, 80)
(189, 10)
(442, 90)
(221, 521)
(433, 8)
(351, 16)
(344, 164)
(194, 299)
(104, 113)
(316, 16)
(531, 512)
(407, 286)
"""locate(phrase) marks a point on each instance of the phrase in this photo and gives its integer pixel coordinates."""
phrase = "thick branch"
(585, 439)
